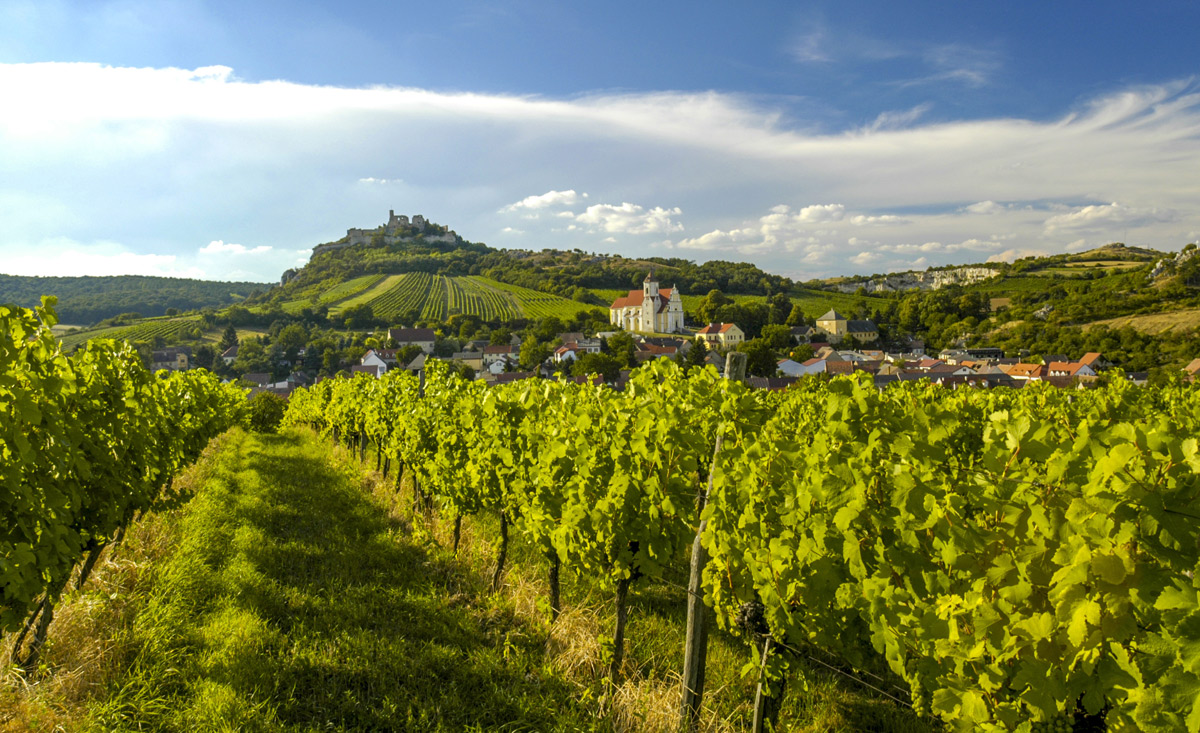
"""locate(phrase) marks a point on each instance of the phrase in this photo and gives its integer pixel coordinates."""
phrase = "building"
(422, 337)
(724, 335)
(838, 327)
(174, 359)
(649, 310)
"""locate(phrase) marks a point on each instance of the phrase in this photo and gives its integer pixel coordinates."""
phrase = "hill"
(86, 300)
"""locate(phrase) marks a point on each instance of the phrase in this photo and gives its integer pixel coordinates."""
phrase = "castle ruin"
(397, 229)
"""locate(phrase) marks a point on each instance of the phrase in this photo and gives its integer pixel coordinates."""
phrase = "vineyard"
(89, 442)
(1019, 560)
(169, 329)
(421, 295)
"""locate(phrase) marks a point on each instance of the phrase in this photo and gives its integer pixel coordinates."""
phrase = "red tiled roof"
(635, 297)
(715, 328)
(1090, 358)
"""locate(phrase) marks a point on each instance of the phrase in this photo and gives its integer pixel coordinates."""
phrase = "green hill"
(86, 300)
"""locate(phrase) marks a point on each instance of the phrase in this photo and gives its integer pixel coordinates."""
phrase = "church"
(649, 310)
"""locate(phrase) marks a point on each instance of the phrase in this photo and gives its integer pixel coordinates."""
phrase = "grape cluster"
(750, 619)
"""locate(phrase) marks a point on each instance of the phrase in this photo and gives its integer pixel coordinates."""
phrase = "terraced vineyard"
(535, 304)
(370, 287)
(147, 330)
(435, 299)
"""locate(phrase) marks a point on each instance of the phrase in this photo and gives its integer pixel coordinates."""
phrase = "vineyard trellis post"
(695, 650)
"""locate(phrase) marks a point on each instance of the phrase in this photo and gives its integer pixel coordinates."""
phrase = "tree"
(780, 306)
(778, 336)
(760, 358)
(603, 364)
(623, 349)
(359, 316)
(697, 354)
(499, 337)
(291, 338)
(707, 310)
(229, 338)
(796, 317)
(533, 353)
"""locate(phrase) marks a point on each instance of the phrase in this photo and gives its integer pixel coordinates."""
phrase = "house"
(417, 365)
(421, 337)
(473, 359)
(498, 352)
(649, 310)
(647, 351)
(174, 359)
(1076, 369)
(373, 370)
(724, 335)
(228, 355)
(383, 358)
(802, 334)
(1026, 372)
(258, 379)
(566, 353)
(571, 337)
(1192, 370)
(790, 368)
(837, 327)
(1097, 362)
(814, 365)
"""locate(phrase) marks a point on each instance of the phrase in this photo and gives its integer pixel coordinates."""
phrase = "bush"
(266, 410)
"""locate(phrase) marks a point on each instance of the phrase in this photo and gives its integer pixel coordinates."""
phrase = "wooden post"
(766, 705)
(555, 564)
(695, 648)
(614, 670)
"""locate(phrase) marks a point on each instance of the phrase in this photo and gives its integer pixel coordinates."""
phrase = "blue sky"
(225, 139)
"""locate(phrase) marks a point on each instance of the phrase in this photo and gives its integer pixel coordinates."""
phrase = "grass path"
(295, 602)
(294, 592)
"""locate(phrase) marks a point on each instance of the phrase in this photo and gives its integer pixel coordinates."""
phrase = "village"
(650, 324)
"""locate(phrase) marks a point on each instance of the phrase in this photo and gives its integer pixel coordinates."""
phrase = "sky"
(223, 140)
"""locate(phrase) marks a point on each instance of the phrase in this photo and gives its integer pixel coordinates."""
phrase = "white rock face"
(1181, 257)
(928, 280)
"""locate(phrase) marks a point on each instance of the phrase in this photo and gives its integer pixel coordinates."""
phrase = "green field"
(144, 330)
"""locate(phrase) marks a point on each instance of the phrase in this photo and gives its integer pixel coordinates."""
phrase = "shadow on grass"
(357, 630)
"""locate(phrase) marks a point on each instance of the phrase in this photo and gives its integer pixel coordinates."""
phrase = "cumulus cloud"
(630, 219)
(546, 200)
(380, 181)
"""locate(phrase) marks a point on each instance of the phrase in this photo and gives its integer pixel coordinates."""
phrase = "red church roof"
(634, 299)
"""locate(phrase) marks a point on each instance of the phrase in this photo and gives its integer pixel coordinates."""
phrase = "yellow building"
(836, 327)
(724, 335)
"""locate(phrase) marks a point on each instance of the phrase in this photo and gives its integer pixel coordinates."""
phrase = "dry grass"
(87, 644)
(1155, 323)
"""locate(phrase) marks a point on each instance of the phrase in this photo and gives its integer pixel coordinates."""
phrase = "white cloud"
(985, 207)
(630, 219)
(546, 200)
(1106, 216)
(161, 159)
(218, 247)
